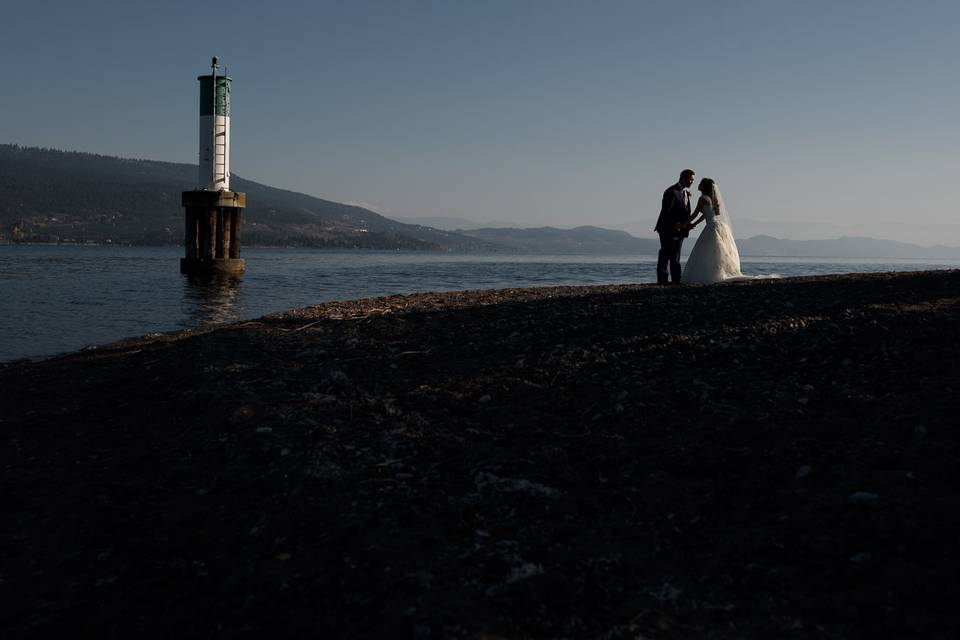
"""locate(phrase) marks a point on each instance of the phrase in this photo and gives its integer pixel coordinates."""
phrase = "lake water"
(55, 299)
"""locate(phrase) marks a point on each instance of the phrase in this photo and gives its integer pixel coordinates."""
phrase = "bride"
(714, 257)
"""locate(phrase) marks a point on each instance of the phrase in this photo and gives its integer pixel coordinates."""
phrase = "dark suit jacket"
(672, 212)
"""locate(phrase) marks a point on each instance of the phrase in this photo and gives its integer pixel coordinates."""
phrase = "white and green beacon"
(212, 210)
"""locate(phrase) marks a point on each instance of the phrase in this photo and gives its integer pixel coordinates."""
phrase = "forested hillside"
(66, 196)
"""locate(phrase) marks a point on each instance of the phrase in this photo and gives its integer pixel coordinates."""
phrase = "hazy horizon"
(811, 117)
(923, 235)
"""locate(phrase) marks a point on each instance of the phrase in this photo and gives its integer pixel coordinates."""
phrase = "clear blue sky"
(544, 112)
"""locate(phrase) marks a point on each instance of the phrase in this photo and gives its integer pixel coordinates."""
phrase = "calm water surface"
(59, 298)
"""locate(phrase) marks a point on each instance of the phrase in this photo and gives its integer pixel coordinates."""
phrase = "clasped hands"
(683, 226)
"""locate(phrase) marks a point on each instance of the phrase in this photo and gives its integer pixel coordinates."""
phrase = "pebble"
(864, 498)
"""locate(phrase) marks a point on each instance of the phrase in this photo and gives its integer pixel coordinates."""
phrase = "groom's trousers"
(669, 254)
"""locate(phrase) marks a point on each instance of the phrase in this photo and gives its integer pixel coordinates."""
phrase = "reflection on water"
(212, 299)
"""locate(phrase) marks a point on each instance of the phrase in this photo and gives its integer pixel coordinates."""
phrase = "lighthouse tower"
(212, 210)
(214, 164)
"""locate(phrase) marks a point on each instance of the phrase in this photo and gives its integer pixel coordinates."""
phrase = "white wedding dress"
(714, 257)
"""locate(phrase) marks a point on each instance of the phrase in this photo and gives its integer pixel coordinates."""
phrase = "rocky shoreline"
(766, 459)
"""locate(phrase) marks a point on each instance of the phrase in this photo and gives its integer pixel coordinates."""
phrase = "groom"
(673, 227)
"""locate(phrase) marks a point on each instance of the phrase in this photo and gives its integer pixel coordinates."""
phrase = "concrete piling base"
(212, 232)
(224, 266)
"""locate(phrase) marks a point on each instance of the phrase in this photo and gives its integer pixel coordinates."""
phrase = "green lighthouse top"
(206, 97)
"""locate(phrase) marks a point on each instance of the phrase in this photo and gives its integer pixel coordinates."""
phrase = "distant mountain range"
(845, 247)
(578, 240)
(909, 232)
(923, 234)
(597, 240)
(72, 197)
(449, 223)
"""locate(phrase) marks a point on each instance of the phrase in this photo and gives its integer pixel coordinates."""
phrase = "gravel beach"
(767, 459)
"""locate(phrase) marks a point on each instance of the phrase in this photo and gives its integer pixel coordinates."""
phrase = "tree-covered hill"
(48, 195)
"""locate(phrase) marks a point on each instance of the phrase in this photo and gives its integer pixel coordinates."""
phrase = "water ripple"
(58, 299)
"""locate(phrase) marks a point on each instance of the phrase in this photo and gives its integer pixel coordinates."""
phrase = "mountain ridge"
(599, 240)
(49, 195)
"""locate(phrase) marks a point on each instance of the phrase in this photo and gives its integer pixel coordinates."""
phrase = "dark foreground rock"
(776, 459)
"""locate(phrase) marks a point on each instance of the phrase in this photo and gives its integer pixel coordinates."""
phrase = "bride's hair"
(709, 187)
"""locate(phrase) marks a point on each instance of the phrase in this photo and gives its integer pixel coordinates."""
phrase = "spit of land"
(755, 460)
